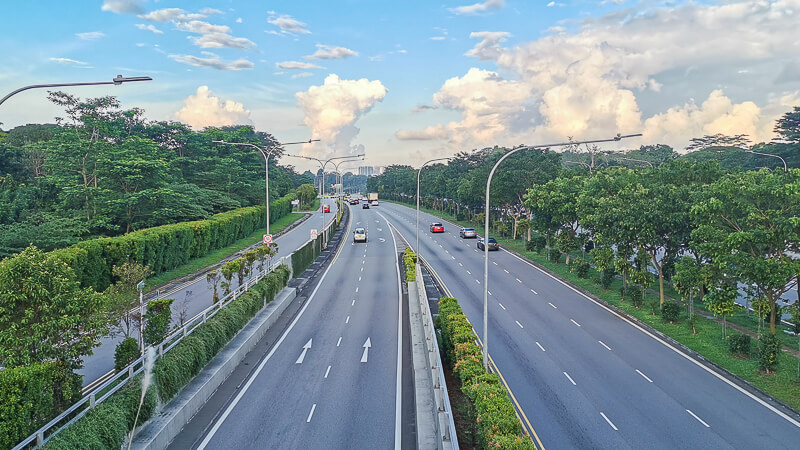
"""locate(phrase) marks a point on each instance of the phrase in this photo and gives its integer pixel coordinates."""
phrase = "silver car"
(468, 233)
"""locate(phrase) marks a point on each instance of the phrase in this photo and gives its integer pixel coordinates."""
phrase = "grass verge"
(314, 207)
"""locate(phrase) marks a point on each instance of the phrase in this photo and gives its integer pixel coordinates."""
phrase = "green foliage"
(739, 344)
(536, 244)
(580, 266)
(31, 395)
(495, 415)
(126, 352)
(157, 320)
(768, 351)
(44, 313)
(306, 193)
(410, 264)
(670, 312)
(721, 301)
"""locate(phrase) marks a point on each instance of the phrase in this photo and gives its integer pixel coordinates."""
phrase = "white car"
(360, 235)
(374, 203)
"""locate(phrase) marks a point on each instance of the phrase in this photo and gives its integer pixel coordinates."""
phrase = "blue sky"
(436, 78)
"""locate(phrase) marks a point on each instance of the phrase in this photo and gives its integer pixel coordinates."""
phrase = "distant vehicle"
(492, 244)
(468, 233)
(365, 205)
(372, 196)
(437, 227)
(360, 235)
(326, 208)
(353, 201)
(374, 203)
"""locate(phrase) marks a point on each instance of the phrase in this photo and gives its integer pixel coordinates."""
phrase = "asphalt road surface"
(196, 295)
(332, 379)
(583, 376)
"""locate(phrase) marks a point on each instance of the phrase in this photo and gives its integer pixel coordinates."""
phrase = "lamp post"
(322, 165)
(419, 172)
(485, 349)
(635, 160)
(340, 179)
(785, 167)
(266, 153)
(140, 288)
(119, 79)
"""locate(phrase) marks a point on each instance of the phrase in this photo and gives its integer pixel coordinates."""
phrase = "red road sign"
(313, 234)
(267, 238)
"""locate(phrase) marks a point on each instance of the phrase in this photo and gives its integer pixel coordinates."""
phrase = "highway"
(193, 296)
(583, 376)
(333, 377)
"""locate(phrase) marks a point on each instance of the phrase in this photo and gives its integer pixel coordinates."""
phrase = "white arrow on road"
(380, 229)
(382, 239)
(303, 355)
(366, 346)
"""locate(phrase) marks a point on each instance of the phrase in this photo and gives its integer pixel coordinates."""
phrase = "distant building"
(366, 170)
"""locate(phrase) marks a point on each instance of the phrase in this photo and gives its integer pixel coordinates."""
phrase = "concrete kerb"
(426, 406)
(162, 429)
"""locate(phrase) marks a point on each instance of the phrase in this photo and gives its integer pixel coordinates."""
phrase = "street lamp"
(418, 174)
(635, 160)
(785, 167)
(119, 79)
(266, 154)
(486, 232)
(339, 177)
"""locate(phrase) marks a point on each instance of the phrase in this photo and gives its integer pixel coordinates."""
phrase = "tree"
(721, 301)
(213, 277)
(44, 313)
(123, 296)
(157, 320)
(306, 193)
(690, 279)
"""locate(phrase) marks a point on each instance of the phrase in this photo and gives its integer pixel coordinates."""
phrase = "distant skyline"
(409, 81)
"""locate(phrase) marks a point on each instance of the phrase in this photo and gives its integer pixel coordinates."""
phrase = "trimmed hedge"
(166, 247)
(107, 425)
(497, 423)
(305, 255)
(410, 264)
(32, 395)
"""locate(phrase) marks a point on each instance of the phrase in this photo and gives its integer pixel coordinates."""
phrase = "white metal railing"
(90, 400)
(447, 426)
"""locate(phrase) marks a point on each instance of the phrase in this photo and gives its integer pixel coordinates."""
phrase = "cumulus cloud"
(478, 7)
(332, 110)
(632, 71)
(288, 24)
(90, 35)
(429, 133)
(123, 6)
(331, 52)
(297, 65)
(207, 110)
(213, 36)
(73, 62)
(152, 28)
(163, 15)
(213, 61)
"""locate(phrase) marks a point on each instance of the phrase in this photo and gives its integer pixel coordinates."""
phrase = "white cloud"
(90, 35)
(288, 24)
(68, 61)
(163, 15)
(239, 20)
(437, 38)
(152, 28)
(200, 27)
(331, 110)
(478, 7)
(123, 6)
(210, 11)
(297, 65)
(489, 46)
(432, 132)
(206, 110)
(302, 75)
(222, 40)
(331, 52)
(213, 61)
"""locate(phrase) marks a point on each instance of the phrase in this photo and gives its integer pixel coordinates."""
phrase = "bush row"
(497, 423)
(305, 255)
(410, 264)
(108, 424)
(166, 247)
(32, 395)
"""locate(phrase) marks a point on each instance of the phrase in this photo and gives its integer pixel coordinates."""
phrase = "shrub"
(607, 277)
(636, 294)
(410, 264)
(554, 255)
(580, 266)
(126, 352)
(157, 320)
(768, 353)
(739, 344)
(670, 312)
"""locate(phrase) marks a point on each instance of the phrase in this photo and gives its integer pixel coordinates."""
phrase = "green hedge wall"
(305, 255)
(497, 423)
(32, 395)
(410, 264)
(166, 247)
(107, 425)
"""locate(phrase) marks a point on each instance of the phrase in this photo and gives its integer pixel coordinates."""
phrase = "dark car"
(437, 227)
(493, 245)
(365, 205)
(353, 201)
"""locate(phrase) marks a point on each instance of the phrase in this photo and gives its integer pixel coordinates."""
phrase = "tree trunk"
(772, 314)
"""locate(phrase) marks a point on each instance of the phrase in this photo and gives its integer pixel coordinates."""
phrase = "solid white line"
(398, 381)
(554, 306)
(540, 346)
(258, 370)
(313, 407)
(604, 345)
(570, 379)
(665, 344)
(645, 376)
(698, 419)
(576, 323)
(609, 421)
(520, 325)
(347, 320)
(339, 341)
(501, 305)
(327, 371)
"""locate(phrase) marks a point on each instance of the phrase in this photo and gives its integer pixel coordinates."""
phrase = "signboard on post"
(313, 234)
(268, 239)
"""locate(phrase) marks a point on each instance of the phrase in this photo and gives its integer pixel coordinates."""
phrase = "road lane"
(610, 405)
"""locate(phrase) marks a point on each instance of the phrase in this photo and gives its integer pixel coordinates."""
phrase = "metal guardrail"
(447, 426)
(103, 391)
